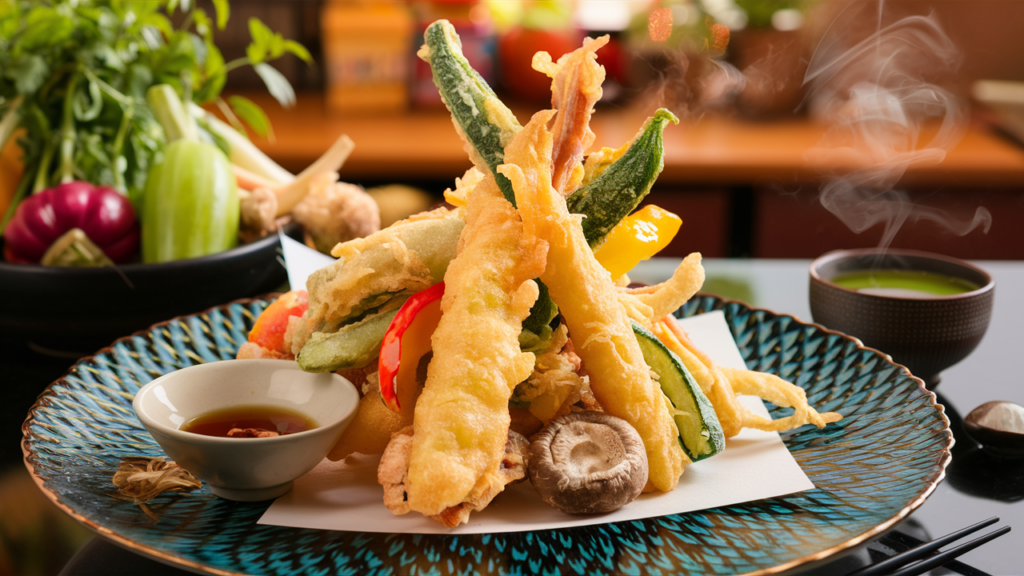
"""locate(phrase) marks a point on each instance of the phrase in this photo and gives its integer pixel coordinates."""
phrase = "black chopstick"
(944, 557)
(902, 560)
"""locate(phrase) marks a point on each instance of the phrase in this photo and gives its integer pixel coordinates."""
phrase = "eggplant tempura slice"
(461, 419)
(600, 328)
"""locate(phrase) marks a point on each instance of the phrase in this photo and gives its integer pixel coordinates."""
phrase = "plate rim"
(945, 457)
(170, 559)
(947, 452)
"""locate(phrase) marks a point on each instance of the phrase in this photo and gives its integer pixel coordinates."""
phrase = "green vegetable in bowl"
(190, 206)
(74, 78)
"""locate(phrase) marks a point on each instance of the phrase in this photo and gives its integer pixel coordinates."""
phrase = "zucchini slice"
(700, 434)
(352, 346)
(486, 125)
(484, 122)
(618, 188)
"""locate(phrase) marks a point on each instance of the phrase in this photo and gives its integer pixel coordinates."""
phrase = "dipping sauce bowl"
(246, 469)
(925, 334)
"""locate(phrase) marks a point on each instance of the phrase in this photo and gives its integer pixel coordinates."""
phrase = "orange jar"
(366, 46)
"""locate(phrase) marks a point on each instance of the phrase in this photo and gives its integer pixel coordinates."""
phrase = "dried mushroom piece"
(588, 463)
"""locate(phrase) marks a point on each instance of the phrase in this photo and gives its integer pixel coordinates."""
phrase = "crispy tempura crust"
(408, 256)
(781, 393)
(575, 87)
(669, 296)
(583, 290)
(461, 419)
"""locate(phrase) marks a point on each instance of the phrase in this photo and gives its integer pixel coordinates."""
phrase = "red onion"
(105, 216)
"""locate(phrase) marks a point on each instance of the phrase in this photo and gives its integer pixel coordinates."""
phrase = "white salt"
(1004, 416)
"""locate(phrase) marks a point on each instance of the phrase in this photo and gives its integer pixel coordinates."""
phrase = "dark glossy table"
(977, 486)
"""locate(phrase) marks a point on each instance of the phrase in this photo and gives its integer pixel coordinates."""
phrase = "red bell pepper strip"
(406, 341)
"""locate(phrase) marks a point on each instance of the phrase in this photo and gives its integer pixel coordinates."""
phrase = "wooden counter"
(711, 150)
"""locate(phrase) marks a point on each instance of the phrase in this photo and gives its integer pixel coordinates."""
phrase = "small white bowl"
(246, 469)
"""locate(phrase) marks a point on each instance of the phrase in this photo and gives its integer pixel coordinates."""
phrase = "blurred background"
(739, 163)
(806, 126)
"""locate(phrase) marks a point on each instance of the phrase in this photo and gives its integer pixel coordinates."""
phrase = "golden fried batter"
(461, 419)
(575, 87)
(584, 292)
(781, 393)
(408, 256)
(722, 384)
(463, 186)
(555, 383)
(393, 476)
(723, 399)
(670, 295)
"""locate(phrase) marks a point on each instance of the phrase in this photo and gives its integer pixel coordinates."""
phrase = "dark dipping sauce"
(249, 422)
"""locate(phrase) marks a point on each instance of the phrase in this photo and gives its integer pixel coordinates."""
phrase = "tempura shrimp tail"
(461, 419)
(575, 87)
(587, 298)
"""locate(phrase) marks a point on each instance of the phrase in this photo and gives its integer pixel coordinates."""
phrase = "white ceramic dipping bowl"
(246, 469)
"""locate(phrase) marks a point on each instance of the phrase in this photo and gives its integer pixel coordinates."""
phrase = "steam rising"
(875, 96)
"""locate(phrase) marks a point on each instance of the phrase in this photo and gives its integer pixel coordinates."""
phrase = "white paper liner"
(755, 465)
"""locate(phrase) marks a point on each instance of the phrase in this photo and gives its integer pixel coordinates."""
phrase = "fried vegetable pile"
(533, 326)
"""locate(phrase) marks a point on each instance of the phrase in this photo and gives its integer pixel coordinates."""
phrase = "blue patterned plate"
(871, 470)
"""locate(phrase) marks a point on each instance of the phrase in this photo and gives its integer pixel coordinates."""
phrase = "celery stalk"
(243, 152)
(10, 121)
(171, 114)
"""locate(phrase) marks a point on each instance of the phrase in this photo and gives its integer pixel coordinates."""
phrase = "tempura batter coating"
(575, 87)
(781, 393)
(461, 419)
(584, 292)
(670, 295)
(408, 256)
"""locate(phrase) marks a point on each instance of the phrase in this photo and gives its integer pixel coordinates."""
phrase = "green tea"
(904, 283)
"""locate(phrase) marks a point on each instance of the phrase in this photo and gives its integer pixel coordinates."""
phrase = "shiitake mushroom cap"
(588, 463)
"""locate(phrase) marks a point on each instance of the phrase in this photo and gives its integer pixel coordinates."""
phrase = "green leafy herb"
(74, 75)
(250, 113)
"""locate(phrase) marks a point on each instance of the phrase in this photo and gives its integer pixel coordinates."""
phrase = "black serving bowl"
(70, 309)
(926, 335)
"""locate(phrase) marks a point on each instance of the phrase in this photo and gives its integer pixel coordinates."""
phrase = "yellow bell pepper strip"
(405, 343)
(639, 236)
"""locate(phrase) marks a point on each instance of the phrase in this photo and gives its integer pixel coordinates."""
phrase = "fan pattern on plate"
(870, 469)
